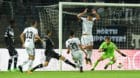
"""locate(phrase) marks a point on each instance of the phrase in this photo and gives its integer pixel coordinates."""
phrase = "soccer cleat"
(106, 67)
(81, 69)
(29, 72)
(14, 70)
(20, 69)
(9, 71)
(92, 69)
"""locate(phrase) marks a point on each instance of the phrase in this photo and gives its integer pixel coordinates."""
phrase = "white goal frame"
(61, 4)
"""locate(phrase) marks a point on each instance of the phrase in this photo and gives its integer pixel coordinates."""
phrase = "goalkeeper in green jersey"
(108, 48)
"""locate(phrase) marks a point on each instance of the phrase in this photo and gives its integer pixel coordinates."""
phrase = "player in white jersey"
(87, 38)
(30, 34)
(74, 46)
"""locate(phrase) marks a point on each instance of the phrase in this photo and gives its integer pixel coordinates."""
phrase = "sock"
(111, 62)
(15, 62)
(96, 63)
(36, 67)
(70, 63)
(81, 69)
(30, 64)
(9, 64)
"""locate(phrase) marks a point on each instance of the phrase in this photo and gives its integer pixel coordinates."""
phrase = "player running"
(74, 46)
(9, 40)
(87, 38)
(30, 34)
(108, 48)
(50, 53)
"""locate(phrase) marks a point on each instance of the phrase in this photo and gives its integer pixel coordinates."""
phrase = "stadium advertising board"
(131, 62)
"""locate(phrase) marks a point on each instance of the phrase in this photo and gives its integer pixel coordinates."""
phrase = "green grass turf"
(73, 74)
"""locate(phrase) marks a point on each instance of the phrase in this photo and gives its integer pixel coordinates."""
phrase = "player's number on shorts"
(74, 46)
(29, 34)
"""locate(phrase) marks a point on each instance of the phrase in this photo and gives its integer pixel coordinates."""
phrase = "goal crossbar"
(62, 4)
(100, 4)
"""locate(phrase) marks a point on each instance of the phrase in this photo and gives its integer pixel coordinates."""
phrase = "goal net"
(119, 21)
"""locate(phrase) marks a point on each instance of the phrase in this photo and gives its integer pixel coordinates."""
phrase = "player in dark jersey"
(9, 40)
(50, 53)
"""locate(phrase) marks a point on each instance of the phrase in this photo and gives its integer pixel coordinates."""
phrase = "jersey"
(87, 26)
(73, 44)
(30, 33)
(9, 36)
(110, 48)
(49, 44)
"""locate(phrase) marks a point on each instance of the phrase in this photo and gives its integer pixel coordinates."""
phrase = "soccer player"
(108, 48)
(30, 34)
(87, 38)
(74, 46)
(9, 40)
(50, 53)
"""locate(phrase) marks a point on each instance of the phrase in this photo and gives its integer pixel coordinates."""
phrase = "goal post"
(65, 4)
(99, 4)
(129, 12)
(118, 20)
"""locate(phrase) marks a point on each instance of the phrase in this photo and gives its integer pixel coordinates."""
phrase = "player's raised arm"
(82, 13)
(22, 39)
(96, 14)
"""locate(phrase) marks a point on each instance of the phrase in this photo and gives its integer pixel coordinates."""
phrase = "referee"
(9, 40)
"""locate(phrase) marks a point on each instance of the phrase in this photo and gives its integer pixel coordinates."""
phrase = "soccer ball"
(120, 65)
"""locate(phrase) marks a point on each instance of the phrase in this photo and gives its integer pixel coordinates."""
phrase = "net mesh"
(49, 21)
(121, 23)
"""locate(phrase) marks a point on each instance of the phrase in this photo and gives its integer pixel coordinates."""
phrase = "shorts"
(111, 57)
(87, 40)
(77, 55)
(30, 51)
(12, 51)
(51, 54)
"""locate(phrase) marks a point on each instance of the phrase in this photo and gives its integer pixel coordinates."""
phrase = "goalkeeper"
(107, 47)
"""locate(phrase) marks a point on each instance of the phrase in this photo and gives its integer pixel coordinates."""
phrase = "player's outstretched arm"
(82, 13)
(124, 55)
(96, 14)
(22, 39)
(38, 38)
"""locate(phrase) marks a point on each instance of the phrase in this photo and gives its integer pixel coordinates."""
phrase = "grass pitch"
(72, 74)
